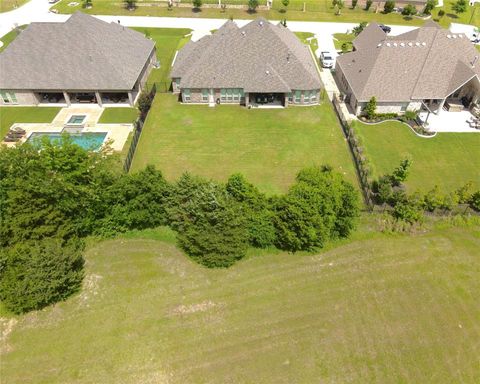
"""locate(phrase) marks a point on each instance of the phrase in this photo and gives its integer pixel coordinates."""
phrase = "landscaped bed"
(268, 146)
(448, 160)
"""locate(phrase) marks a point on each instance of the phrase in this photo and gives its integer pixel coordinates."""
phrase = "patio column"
(67, 98)
(130, 99)
(285, 98)
(247, 99)
(99, 98)
(440, 107)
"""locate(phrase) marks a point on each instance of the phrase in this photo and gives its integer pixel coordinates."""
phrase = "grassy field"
(378, 309)
(118, 115)
(8, 5)
(447, 160)
(316, 10)
(268, 145)
(11, 115)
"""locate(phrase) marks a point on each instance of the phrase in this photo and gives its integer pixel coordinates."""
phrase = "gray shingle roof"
(427, 63)
(260, 57)
(84, 53)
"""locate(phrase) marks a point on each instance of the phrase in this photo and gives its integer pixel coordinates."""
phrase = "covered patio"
(461, 121)
(267, 100)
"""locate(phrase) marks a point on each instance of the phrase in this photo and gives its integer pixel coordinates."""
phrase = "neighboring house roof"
(84, 53)
(260, 57)
(372, 34)
(426, 63)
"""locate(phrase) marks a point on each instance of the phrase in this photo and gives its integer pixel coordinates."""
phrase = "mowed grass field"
(448, 160)
(269, 146)
(378, 309)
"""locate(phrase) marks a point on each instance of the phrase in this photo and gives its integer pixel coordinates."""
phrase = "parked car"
(475, 38)
(326, 58)
(385, 28)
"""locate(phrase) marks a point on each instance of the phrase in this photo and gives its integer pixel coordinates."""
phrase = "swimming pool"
(91, 141)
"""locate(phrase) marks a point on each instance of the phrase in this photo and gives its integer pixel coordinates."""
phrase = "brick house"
(83, 60)
(259, 64)
(427, 68)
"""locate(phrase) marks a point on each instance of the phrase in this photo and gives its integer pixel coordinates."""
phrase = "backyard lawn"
(268, 146)
(315, 10)
(377, 309)
(118, 115)
(11, 115)
(448, 160)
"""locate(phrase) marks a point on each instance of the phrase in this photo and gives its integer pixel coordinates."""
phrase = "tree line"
(52, 199)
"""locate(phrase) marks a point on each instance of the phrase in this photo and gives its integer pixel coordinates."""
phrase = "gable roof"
(426, 63)
(371, 34)
(84, 53)
(259, 57)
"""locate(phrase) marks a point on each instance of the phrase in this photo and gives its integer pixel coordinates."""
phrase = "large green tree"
(256, 209)
(211, 225)
(319, 207)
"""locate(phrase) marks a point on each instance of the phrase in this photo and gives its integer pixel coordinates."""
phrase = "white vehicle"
(326, 59)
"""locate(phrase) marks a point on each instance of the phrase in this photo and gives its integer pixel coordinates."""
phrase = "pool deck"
(117, 134)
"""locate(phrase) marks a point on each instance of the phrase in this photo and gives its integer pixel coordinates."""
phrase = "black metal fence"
(361, 163)
(150, 90)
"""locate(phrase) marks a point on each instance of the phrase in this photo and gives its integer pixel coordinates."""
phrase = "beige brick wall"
(23, 97)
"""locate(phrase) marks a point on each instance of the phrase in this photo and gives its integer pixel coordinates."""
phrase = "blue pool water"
(91, 141)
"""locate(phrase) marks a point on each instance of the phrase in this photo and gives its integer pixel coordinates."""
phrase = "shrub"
(409, 10)
(432, 200)
(389, 6)
(197, 3)
(460, 6)
(399, 175)
(464, 193)
(475, 201)
(134, 201)
(256, 209)
(285, 3)
(408, 211)
(319, 207)
(368, 4)
(211, 225)
(252, 5)
(144, 103)
(383, 190)
(130, 4)
(38, 273)
(441, 13)
(370, 108)
(359, 28)
(354, 4)
(429, 6)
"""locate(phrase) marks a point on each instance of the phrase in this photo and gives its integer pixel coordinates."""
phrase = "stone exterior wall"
(142, 79)
(23, 97)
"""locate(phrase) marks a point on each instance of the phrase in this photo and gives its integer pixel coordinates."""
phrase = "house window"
(298, 96)
(242, 93)
(313, 96)
(236, 94)
(204, 94)
(223, 94)
(306, 96)
(177, 82)
(186, 95)
(229, 94)
(404, 106)
(9, 97)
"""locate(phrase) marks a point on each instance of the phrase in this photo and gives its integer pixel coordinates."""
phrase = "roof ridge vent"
(417, 44)
(424, 44)
(449, 36)
(410, 44)
(402, 44)
(388, 44)
(260, 23)
(379, 45)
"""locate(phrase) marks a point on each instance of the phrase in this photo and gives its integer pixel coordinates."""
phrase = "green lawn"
(118, 115)
(8, 5)
(268, 145)
(168, 41)
(316, 10)
(341, 38)
(11, 115)
(447, 160)
(378, 309)
(9, 37)
(313, 43)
